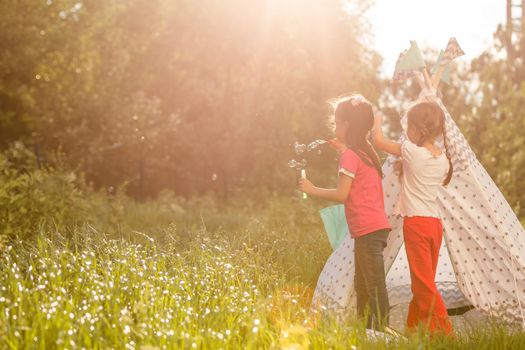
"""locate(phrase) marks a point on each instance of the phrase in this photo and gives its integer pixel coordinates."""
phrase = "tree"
(174, 94)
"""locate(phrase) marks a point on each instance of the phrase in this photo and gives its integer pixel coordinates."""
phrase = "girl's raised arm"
(380, 141)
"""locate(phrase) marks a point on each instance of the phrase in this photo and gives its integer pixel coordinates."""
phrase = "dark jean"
(370, 285)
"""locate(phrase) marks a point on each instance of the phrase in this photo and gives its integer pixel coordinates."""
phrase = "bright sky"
(431, 23)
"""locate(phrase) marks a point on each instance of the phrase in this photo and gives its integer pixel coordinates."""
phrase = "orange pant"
(423, 236)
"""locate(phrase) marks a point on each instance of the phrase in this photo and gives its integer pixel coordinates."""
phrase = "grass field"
(177, 274)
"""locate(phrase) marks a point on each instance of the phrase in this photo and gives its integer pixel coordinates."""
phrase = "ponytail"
(372, 159)
(424, 135)
(369, 157)
(450, 168)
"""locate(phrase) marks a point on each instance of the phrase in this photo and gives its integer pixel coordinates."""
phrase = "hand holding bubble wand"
(300, 167)
(337, 145)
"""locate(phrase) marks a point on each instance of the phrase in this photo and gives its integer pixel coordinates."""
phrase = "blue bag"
(335, 224)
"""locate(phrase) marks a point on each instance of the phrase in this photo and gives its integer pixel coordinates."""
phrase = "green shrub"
(32, 198)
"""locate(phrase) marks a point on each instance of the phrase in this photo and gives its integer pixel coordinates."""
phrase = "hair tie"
(357, 100)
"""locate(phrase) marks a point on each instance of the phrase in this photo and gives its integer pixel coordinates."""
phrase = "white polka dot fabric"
(482, 259)
(335, 287)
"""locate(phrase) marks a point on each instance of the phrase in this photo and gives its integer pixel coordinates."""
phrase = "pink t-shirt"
(364, 206)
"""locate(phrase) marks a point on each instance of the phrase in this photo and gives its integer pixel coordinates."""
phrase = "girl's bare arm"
(338, 194)
(380, 141)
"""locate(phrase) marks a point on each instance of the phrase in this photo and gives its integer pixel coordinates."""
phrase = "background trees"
(166, 94)
(210, 95)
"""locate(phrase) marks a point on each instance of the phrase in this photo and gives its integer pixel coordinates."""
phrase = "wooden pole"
(436, 78)
(508, 34)
(428, 81)
(522, 33)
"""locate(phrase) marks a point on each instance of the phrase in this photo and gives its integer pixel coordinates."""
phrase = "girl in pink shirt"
(359, 188)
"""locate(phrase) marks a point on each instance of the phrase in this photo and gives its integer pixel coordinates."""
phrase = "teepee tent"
(482, 259)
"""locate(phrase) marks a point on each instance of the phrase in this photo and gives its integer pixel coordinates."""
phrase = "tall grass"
(207, 292)
(105, 293)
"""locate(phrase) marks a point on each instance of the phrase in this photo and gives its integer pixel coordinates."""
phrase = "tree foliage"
(165, 94)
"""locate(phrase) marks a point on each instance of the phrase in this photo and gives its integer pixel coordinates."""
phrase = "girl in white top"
(424, 169)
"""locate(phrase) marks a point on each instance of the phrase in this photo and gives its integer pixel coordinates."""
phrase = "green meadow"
(98, 271)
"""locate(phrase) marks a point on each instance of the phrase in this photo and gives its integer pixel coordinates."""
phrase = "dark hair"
(357, 111)
(429, 120)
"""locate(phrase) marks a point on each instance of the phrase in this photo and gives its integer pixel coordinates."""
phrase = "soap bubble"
(314, 145)
(299, 147)
(297, 165)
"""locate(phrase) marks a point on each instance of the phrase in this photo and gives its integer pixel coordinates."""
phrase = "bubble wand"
(303, 176)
